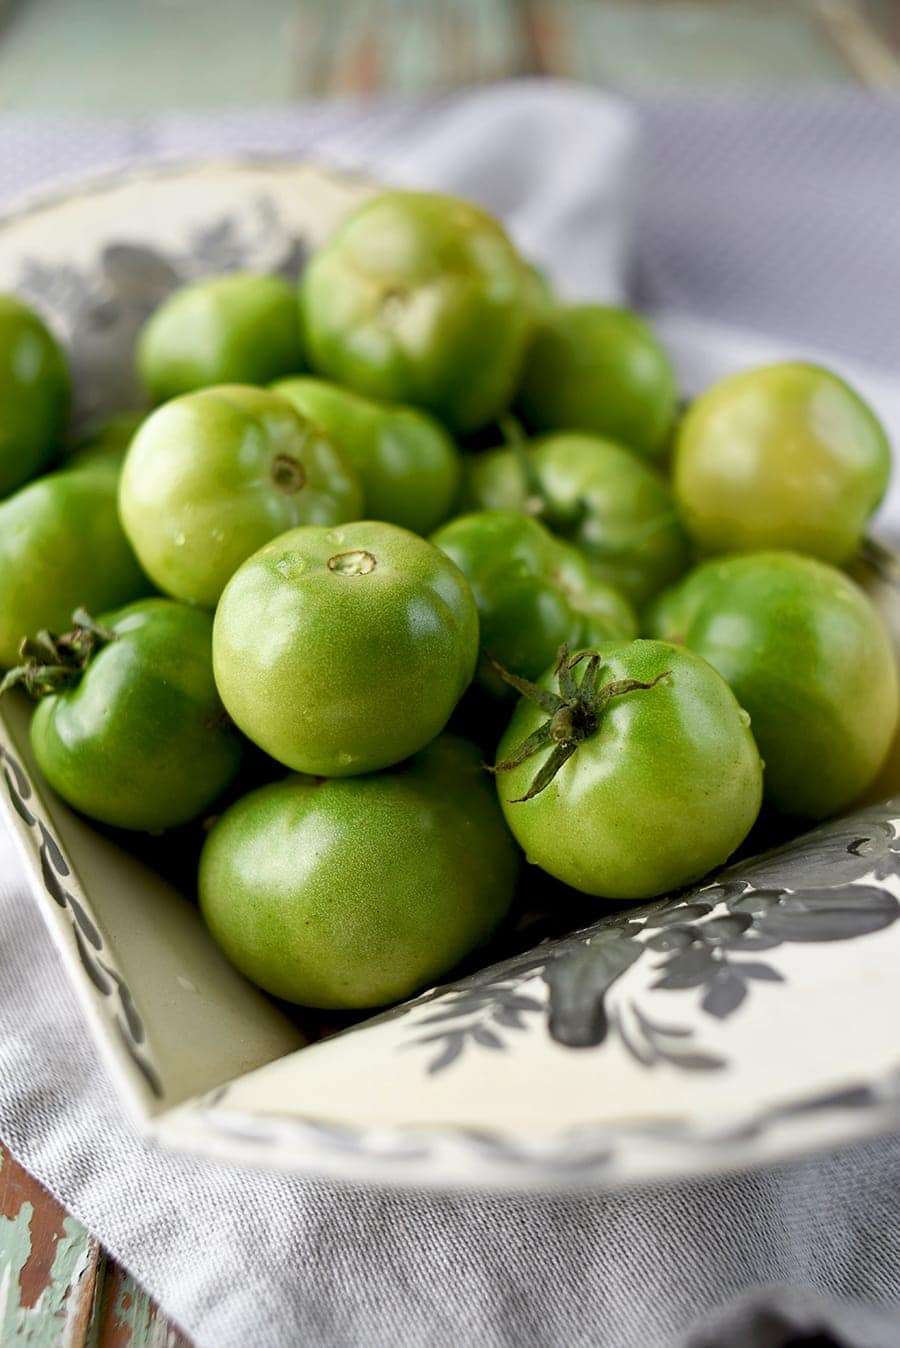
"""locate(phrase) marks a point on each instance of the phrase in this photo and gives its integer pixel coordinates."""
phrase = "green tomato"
(34, 394)
(61, 547)
(212, 476)
(785, 456)
(236, 329)
(340, 651)
(130, 729)
(596, 368)
(407, 463)
(402, 874)
(421, 299)
(641, 776)
(533, 593)
(597, 495)
(808, 655)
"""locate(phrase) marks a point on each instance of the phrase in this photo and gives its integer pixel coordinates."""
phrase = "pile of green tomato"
(456, 564)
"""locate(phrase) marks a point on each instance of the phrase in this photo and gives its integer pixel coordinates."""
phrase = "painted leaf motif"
(724, 993)
(832, 855)
(687, 970)
(578, 983)
(830, 915)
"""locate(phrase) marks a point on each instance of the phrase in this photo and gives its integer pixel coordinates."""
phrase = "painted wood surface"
(57, 1288)
(97, 57)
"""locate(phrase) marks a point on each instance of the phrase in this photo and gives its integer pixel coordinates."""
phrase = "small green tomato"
(356, 893)
(784, 456)
(629, 775)
(34, 394)
(210, 477)
(340, 651)
(236, 329)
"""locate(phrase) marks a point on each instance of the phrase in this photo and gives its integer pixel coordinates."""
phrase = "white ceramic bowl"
(753, 1017)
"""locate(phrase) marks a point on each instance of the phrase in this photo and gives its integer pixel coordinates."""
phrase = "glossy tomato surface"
(210, 477)
(407, 463)
(361, 891)
(785, 456)
(595, 494)
(533, 592)
(599, 368)
(808, 655)
(242, 328)
(420, 298)
(139, 739)
(660, 785)
(61, 546)
(340, 651)
(34, 394)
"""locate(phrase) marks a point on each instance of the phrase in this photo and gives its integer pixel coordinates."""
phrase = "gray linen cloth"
(778, 213)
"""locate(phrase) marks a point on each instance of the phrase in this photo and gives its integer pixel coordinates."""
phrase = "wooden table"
(151, 55)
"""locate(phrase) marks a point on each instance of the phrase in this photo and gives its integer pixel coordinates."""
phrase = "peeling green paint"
(43, 1324)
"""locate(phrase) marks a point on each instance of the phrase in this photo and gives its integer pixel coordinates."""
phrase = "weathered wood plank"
(57, 1288)
(49, 1266)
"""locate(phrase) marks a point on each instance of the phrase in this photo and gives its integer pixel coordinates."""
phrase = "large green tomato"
(212, 476)
(341, 651)
(130, 729)
(421, 299)
(34, 394)
(236, 329)
(808, 655)
(533, 592)
(360, 892)
(407, 463)
(618, 510)
(631, 777)
(596, 368)
(61, 547)
(785, 456)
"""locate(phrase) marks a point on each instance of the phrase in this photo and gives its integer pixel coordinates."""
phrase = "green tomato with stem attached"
(784, 456)
(597, 368)
(403, 874)
(533, 592)
(61, 547)
(242, 328)
(615, 509)
(35, 390)
(808, 655)
(408, 465)
(631, 774)
(129, 728)
(341, 651)
(212, 476)
(420, 298)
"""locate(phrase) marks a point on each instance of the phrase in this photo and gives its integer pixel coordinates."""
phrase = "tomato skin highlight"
(35, 392)
(212, 476)
(141, 740)
(534, 592)
(783, 456)
(807, 653)
(663, 791)
(240, 328)
(61, 546)
(408, 465)
(600, 369)
(422, 299)
(360, 891)
(596, 495)
(341, 651)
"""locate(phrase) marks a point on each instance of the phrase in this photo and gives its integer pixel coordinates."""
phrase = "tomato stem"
(49, 663)
(574, 713)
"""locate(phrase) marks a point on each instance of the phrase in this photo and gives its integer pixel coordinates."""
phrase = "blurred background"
(121, 57)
